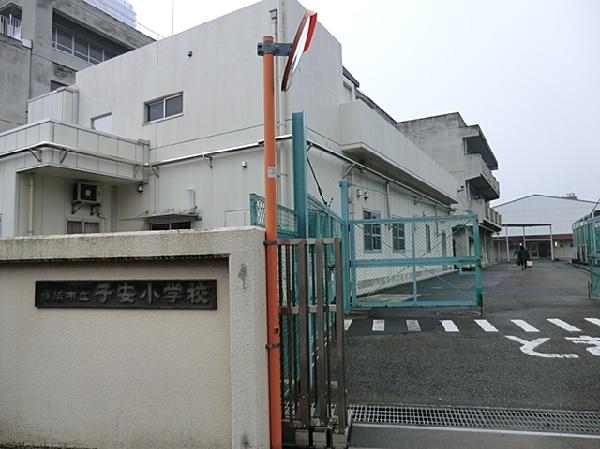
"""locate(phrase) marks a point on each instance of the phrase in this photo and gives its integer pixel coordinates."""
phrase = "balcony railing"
(493, 216)
(10, 26)
(481, 177)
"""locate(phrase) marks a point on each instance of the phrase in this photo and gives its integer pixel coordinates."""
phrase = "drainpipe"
(31, 192)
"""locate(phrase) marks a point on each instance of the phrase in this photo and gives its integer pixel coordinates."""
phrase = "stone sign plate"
(170, 294)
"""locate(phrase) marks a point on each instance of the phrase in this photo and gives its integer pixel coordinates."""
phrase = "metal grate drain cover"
(478, 418)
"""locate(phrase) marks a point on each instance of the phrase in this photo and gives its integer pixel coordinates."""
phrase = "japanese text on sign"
(170, 294)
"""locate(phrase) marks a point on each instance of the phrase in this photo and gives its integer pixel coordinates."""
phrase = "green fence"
(586, 240)
(322, 221)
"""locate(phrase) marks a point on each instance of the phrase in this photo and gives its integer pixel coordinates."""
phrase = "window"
(102, 123)
(428, 237)
(444, 245)
(372, 232)
(170, 226)
(398, 238)
(82, 227)
(164, 107)
(78, 46)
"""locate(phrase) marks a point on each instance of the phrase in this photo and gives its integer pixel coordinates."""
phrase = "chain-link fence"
(586, 240)
(322, 221)
(424, 261)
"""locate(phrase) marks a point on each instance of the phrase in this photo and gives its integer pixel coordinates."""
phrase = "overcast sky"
(527, 71)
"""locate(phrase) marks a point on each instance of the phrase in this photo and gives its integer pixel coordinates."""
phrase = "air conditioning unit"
(85, 193)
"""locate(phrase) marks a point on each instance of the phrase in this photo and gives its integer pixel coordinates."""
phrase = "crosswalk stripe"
(565, 326)
(378, 325)
(595, 321)
(413, 326)
(449, 326)
(486, 326)
(525, 326)
(347, 324)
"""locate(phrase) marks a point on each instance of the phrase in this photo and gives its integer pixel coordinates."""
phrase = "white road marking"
(565, 326)
(527, 347)
(595, 321)
(587, 340)
(378, 325)
(486, 326)
(525, 326)
(449, 326)
(347, 324)
(413, 326)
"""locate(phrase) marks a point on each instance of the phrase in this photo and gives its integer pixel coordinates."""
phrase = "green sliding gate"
(412, 261)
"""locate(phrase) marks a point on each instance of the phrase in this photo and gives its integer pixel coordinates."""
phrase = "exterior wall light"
(140, 187)
(359, 193)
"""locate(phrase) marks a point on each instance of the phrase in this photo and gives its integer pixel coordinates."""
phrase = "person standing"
(521, 256)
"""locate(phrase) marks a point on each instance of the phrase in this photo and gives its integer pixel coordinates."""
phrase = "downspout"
(31, 192)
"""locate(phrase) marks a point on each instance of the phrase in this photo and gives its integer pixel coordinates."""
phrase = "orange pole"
(270, 180)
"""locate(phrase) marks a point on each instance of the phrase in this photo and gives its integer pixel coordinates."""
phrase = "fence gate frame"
(313, 387)
(466, 264)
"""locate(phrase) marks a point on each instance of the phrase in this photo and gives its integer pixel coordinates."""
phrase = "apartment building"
(43, 43)
(464, 151)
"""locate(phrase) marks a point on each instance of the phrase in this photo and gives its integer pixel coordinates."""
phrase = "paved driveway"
(537, 345)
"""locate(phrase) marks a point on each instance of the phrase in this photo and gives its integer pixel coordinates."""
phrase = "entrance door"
(544, 250)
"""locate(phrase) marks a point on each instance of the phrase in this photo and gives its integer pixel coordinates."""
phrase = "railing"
(10, 26)
(476, 168)
(493, 216)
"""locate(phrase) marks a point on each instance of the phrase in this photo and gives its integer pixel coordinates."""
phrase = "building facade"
(43, 43)
(126, 148)
(554, 214)
(463, 150)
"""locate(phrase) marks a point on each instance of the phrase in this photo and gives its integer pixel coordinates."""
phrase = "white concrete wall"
(135, 378)
(360, 126)
(61, 105)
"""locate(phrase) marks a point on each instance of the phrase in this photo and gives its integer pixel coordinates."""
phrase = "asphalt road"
(470, 366)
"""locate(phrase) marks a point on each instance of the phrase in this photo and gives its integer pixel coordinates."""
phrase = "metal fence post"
(414, 267)
(476, 243)
(299, 169)
(345, 185)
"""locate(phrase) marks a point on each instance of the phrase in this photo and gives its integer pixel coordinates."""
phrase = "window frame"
(170, 225)
(396, 237)
(72, 51)
(163, 100)
(427, 237)
(371, 234)
(83, 221)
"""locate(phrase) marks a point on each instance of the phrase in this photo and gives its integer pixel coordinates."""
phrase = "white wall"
(560, 212)
(135, 378)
